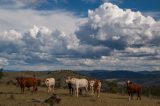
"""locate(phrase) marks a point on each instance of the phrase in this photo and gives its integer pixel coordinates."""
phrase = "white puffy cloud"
(117, 28)
(36, 46)
(10, 35)
(131, 38)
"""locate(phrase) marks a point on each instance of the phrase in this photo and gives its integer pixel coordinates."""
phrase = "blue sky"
(80, 34)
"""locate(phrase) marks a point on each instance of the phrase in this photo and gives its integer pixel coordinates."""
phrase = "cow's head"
(128, 83)
(91, 82)
(68, 79)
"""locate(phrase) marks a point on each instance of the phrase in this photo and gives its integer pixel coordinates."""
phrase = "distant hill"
(144, 77)
(112, 74)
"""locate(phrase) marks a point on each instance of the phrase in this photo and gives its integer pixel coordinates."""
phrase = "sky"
(80, 35)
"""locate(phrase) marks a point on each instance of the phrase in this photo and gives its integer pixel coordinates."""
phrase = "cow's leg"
(138, 96)
(72, 90)
(86, 89)
(21, 90)
(80, 91)
(95, 91)
(49, 88)
(92, 91)
(34, 89)
(98, 93)
(53, 89)
(77, 91)
(129, 98)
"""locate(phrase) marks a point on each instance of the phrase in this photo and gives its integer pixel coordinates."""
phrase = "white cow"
(78, 83)
(50, 83)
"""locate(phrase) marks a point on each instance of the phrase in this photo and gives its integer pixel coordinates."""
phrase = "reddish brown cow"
(133, 88)
(97, 87)
(27, 82)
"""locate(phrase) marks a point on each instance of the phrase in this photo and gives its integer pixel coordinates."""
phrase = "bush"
(113, 87)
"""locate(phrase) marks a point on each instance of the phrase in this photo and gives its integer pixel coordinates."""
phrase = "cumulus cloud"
(38, 45)
(126, 34)
(116, 28)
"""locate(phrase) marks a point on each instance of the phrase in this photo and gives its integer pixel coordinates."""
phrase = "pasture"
(10, 96)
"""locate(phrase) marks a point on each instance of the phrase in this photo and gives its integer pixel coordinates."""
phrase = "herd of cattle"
(75, 85)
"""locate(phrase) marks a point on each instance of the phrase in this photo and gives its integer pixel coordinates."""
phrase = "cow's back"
(30, 82)
(82, 82)
(50, 81)
(136, 88)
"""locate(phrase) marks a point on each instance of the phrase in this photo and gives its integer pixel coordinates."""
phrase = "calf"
(50, 83)
(133, 88)
(27, 82)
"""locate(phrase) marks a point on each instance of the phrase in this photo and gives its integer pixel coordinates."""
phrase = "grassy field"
(10, 96)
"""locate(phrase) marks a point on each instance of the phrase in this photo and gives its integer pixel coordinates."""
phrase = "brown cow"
(95, 87)
(27, 82)
(133, 88)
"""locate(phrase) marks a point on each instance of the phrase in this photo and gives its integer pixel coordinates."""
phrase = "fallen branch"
(52, 100)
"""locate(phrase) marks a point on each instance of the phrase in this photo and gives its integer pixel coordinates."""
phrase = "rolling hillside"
(10, 96)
